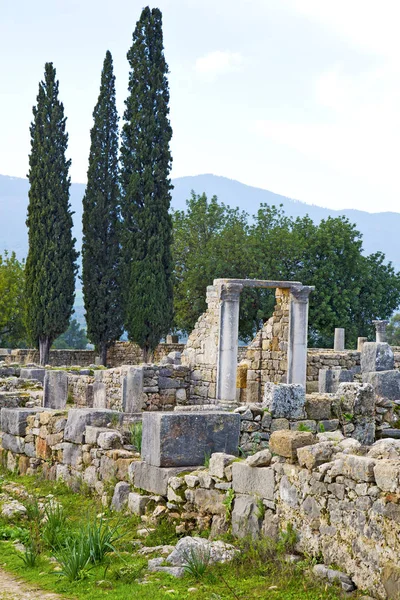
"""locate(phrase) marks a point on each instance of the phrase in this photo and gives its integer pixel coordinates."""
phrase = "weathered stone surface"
(391, 580)
(248, 480)
(376, 356)
(323, 572)
(92, 434)
(14, 420)
(37, 374)
(207, 501)
(109, 439)
(356, 402)
(286, 443)
(79, 418)
(329, 379)
(246, 518)
(13, 509)
(55, 389)
(153, 479)
(285, 400)
(318, 407)
(72, 454)
(218, 462)
(315, 455)
(259, 459)
(386, 448)
(387, 475)
(385, 383)
(132, 390)
(359, 468)
(137, 503)
(14, 443)
(217, 551)
(120, 496)
(180, 439)
(99, 395)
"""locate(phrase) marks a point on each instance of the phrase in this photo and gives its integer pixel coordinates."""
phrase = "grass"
(135, 432)
(115, 570)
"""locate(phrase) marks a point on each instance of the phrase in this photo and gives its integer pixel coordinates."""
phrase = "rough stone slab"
(55, 389)
(387, 475)
(92, 433)
(358, 401)
(285, 400)
(109, 439)
(218, 462)
(260, 459)
(318, 407)
(153, 479)
(99, 395)
(330, 379)
(385, 383)
(177, 439)
(137, 503)
(315, 455)
(132, 390)
(12, 442)
(79, 418)
(249, 480)
(13, 420)
(376, 356)
(120, 496)
(37, 374)
(207, 501)
(285, 443)
(246, 519)
(359, 468)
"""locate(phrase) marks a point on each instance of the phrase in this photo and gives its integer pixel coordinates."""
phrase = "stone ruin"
(215, 431)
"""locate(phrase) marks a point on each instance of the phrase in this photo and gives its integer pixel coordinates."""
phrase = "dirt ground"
(12, 589)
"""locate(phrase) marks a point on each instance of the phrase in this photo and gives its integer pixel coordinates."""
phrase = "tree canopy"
(12, 302)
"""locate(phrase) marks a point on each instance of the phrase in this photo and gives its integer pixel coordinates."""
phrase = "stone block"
(318, 407)
(358, 468)
(92, 434)
(286, 443)
(248, 480)
(43, 449)
(137, 503)
(109, 439)
(246, 519)
(14, 420)
(207, 501)
(357, 401)
(387, 475)
(315, 455)
(79, 418)
(179, 439)
(385, 383)
(132, 390)
(37, 374)
(285, 400)
(260, 459)
(13, 442)
(55, 390)
(330, 379)
(376, 356)
(218, 462)
(72, 454)
(99, 395)
(120, 496)
(153, 479)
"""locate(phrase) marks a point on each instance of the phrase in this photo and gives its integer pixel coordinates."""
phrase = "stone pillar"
(228, 342)
(55, 389)
(360, 343)
(298, 325)
(380, 328)
(339, 339)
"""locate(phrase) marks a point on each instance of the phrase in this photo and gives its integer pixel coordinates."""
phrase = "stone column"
(380, 328)
(360, 343)
(339, 339)
(228, 342)
(298, 325)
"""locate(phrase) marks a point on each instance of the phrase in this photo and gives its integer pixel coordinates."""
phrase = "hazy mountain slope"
(380, 230)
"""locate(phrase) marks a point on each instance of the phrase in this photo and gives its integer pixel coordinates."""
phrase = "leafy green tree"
(12, 301)
(74, 338)
(393, 330)
(146, 185)
(101, 256)
(51, 262)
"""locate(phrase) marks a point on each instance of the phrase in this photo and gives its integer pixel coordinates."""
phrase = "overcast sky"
(301, 97)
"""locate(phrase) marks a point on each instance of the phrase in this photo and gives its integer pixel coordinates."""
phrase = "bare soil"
(12, 589)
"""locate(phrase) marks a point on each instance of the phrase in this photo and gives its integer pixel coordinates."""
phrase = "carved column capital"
(301, 294)
(230, 292)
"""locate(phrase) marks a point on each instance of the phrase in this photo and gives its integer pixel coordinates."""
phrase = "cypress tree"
(100, 248)
(51, 262)
(145, 182)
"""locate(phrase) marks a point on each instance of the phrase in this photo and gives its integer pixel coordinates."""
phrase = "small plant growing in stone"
(197, 561)
(228, 503)
(135, 431)
(321, 428)
(114, 421)
(207, 456)
(303, 427)
(260, 508)
(288, 539)
(70, 398)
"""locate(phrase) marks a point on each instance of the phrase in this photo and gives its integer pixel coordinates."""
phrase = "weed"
(74, 557)
(114, 420)
(130, 573)
(260, 508)
(33, 511)
(70, 397)
(31, 552)
(197, 561)
(207, 456)
(303, 427)
(321, 428)
(255, 443)
(12, 532)
(101, 539)
(228, 503)
(347, 416)
(135, 432)
(55, 523)
(288, 539)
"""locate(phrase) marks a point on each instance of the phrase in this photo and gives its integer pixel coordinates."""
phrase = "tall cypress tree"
(101, 248)
(145, 182)
(51, 262)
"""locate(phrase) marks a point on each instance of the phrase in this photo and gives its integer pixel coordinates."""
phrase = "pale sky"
(301, 97)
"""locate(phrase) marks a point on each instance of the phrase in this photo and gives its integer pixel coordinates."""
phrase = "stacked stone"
(318, 360)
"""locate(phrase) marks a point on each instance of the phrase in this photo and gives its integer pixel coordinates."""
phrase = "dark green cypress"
(146, 188)
(51, 263)
(101, 248)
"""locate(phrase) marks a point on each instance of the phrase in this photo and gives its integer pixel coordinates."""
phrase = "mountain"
(380, 230)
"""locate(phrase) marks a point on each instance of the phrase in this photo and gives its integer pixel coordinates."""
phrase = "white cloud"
(216, 63)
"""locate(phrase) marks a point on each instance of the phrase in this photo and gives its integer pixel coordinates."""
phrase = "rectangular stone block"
(55, 389)
(318, 407)
(14, 420)
(178, 439)
(286, 443)
(153, 479)
(12, 442)
(132, 390)
(33, 373)
(99, 395)
(376, 356)
(79, 418)
(385, 383)
(258, 481)
(330, 379)
(285, 400)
